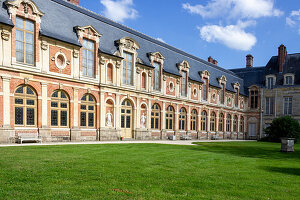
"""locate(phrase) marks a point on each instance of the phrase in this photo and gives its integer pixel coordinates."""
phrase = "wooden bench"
(215, 137)
(28, 137)
(185, 137)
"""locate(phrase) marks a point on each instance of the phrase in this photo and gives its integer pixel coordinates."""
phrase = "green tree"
(283, 127)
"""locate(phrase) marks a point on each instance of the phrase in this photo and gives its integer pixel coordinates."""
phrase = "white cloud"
(233, 36)
(161, 40)
(293, 20)
(241, 9)
(119, 10)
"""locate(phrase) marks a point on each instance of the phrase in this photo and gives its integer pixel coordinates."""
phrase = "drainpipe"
(261, 113)
(275, 101)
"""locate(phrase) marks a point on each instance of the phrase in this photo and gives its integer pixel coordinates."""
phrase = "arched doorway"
(126, 119)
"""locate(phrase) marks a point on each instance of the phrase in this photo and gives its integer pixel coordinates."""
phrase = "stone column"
(44, 105)
(6, 101)
(117, 112)
(208, 124)
(138, 113)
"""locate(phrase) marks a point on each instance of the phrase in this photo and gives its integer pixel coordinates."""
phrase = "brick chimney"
(210, 59)
(281, 56)
(76, 2)
(215, 62)
(249, 61)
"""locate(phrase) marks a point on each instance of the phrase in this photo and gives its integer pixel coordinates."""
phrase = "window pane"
(30, 102)
(91, 119)
(29, 25)
(20, 35)
(91, 107)
(84, 44)
(18, 101)
(29, 58)
(54, 104)
(83, 107)
(20, 23)
(63, 95)
(29, 48)
(55, 94)
(64, 105)
(54, 118)
(18, 116)
(29, 90)
(91, 98)
(20, 90)
(83, 98)
(20, 57)
(20, 46)
(83, 119)
(122, 121)
(91, 45)
(128, 120)
(29, 38)
(30, 116)
(63, 118)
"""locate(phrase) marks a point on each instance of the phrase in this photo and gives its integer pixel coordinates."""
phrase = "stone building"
(68, 74)
(274, 90)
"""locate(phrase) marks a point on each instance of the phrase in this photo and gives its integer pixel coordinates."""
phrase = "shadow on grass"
(246, 149)
(283, 170)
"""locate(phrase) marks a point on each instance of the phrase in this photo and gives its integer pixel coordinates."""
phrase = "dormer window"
(254, 99)
(236, 98)
(24, 41)
(270, 82)
(204, 94)
(222, 94)
(88, 58)
(183, 84)
(127, 68)
(156, 76)
(289, 79)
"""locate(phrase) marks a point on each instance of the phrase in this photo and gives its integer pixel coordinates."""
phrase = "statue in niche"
(109, 119)
(143, 120)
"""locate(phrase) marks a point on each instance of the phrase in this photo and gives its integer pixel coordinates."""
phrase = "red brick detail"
(52, 66)
(173, 80)
(91, 133)
(60, 133)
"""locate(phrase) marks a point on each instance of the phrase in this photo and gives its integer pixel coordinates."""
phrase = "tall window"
(183, 83)
(109, 72)
(25, 106)
(228, 123)
(194, 120)
(156, 76)
(155, 117)
(88, 110)
(203, 120)
(236, 98)
(254, 98)
(59, 109)
(235, 123)
(204, 95)
(127, 68)
(213, 121)
(88, 58)
(222, 94)
(169, 118)
(269, 105)
(221, 122)
(182, 119)
(25, 41)
(289, 80)
(270, 82)
(242, 124)
(287, 105)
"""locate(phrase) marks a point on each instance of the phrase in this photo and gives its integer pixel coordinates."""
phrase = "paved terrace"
(176, 142)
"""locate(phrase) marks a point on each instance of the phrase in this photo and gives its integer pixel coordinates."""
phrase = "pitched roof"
(61, 17)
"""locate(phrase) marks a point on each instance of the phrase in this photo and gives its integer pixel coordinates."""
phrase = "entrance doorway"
(126, 119)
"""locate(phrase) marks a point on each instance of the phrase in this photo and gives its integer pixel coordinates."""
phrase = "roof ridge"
(142, 35)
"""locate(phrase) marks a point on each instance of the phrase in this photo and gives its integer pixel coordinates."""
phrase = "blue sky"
(227, 30)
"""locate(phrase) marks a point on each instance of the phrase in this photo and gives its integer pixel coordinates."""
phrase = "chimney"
(215, 62)
(210, 59)
(76, 2)
(249, 61)
(281, 56)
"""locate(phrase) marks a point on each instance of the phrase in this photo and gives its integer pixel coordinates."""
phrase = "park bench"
(28, 137)
(185, 137)
(215, 137)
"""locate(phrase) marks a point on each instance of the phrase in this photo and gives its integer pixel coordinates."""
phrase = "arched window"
(194, 120)
(59, 109)
(213, 121)
(169, 118)
(242, 124)
(221, 122)
(182, 119)
(155, 117)
(235, 121)
(110, 72)
(25, 106)
(203, 120)
(228, 123)
(144, 80)
(88, 110)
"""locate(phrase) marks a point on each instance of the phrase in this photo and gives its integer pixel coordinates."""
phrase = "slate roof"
(61, 17)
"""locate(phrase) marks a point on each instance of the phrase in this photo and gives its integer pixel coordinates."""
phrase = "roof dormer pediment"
(26, 4)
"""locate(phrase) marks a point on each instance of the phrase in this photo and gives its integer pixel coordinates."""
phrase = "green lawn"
(245, 170)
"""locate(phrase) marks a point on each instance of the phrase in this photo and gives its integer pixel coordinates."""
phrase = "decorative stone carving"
(5, 35)
(178, 81)
(91, 30)
(60, 86)
(75, 53)
(26, 4)
(150, 73)
(138, 60)
(138, 70)
(89, 90)
(164, 78)
(44, 45)
(143, 120)
(128, 43)
(205, 74)
(190, 85)
(184, 65)
(26, 81)
(118, 64)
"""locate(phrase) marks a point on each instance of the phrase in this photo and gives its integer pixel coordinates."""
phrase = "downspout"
(275, 101)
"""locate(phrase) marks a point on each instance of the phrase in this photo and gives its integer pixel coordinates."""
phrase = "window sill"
(25, 128)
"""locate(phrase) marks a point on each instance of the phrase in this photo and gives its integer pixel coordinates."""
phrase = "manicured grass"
(245, 170)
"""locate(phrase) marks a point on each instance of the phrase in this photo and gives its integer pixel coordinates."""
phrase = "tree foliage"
(283, 127)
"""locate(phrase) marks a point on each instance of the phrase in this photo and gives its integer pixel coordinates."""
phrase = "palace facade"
(68, 74)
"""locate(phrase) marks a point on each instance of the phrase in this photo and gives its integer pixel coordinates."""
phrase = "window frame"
(154, 117)
(24, 96)
(221, 121)
(213, 122)
(87, 50)
(287, 105)
(205, 89)
(254, 99)
(182, 119)
(183, 84)
(235, 124)
(204, 121)
(228, 123)
(194, 120)
(170, 119)
(24, 42)
(156, 76)
(125, 69)
(87, 111)
(59, 100)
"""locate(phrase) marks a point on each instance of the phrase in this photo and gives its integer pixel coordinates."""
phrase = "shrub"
(283, 127)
